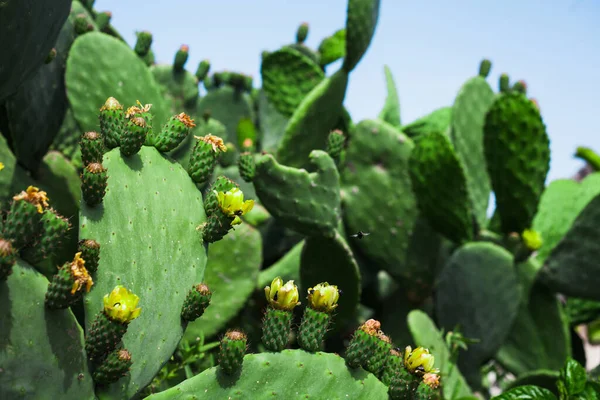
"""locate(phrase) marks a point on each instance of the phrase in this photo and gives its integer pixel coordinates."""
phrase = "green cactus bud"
(424, 392)
(403, 385)
(322, 300)
(103, 20)
(8, 257)
(230, 207)
(247, 166)
(248, 83)
(66, 287)
(54, 230)
(143, 43)
(211, 200)
(204, 157)
(225, 77)
(520, 86)
(363, 344)
(22, 221)
(504, 84)
(112, 122)
(302, 33)
(90, 252)
(92, 148)
(228, 158)
(376, 361)
(209, 83)
(173, 132)
(335, 143)
(113, 368)
(181, 58)
(216, 227)
(236, 80)
(532, 239)
(51, 56)
(149, 59)
(93, 184)
(277, 323)
(246, 134)
(137, 128)
(110, 324)
(196, 301)
(393, 363)
(484, 68)
(232, 350)
(202, 70)
(81, 24)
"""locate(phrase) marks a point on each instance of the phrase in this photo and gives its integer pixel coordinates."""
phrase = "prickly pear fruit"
(232, 351)
(103, 20)
(202, 70)
(204, 157)
(246, 166)
(51, 56)
(112, 122)
(23, 219)
(93, 184)
(173, 132)
(143, 43)
(181, 58)
(113, 368)
(90, 252)
(211, 200)
(504, 84)
(53, 231)
(302, 33)
(231, 206)
(520, 86)
(110, 324)
(363, 344)
(376, 361)
(67, 286)
(335, 143)
(92, 148)
(277, 324)
(195, 304)
(134, 135)
(484, 68)
(8, 257)
(322, 300)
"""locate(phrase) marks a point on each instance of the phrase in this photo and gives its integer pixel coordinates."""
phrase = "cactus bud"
(51, 56)
(322, 300)
(66, 287)
(103, 20)
(134, 136)
(302, 33)
(113, 368)
(504, 84)
(143, 43)
(248, 83)
(22, 221)
(418, 361)
(484, 68)
(232, 350)
(204, 157)
(376, 361)
(532, 239)
(112, 121)
(230, 207)
(90, 252)
(198, 298)
(247, 166)
(202, 70)
(173, 132)
(81, 24)
(181, 58)
(363, 344)
(520, 86)
(54, 229)
(335, 143)
(277, 324)
(93, 184)
(8, 257)
(92, 148)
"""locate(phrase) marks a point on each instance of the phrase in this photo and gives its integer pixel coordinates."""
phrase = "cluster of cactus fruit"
(185, 205)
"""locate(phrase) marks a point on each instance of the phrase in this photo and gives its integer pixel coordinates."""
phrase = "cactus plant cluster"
(172, 234)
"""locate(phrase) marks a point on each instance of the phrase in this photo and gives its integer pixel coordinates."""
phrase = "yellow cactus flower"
(418, 360)
(80, 274)
(137, 109)
(215, 141)
(186, 120)
(532, 239)
(111, 104)
(323, 297)
(432, 380)
(233, 205)
(282, 297)
(121, 305)
(35, 196)
(1, 166)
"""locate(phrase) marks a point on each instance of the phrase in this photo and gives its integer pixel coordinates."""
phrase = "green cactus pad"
(308, 203)
(439, 183)
(35, 112)
(361, 21)
(290, 374)
(518, 158)
(287, 267)
(231, 274)
(227, 106)
(27, 52)
(331, 260)
(288, 77)
(478, 289)
(436, 121)
(377, 194)
(312, 121)
(572, 267)
(426, 334)
(272, 123)
(332, 48)
(146, 191)
(468, 115)
(180, 86)
(560, 204)
(203, 127)
(391, 108)
(92, 77)
(41, 350)
(540, 337)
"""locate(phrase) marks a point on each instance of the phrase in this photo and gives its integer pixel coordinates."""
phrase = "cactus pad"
(290, 374)
(41, 350)
(391, 108)
(92, 77)
(288, 76)
(144, 191)
(308, 203)
(436, 121)
(361, 21)
(227, 106)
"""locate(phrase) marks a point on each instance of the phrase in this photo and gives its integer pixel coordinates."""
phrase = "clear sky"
(431, 46)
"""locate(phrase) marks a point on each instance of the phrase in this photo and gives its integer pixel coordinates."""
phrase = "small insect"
(311, 291)
(360, 234)
(275, 295)
(116, 304)
(420, 370)
(340, 291)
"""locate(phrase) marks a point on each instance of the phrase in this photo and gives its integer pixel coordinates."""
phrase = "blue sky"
(431, 46)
